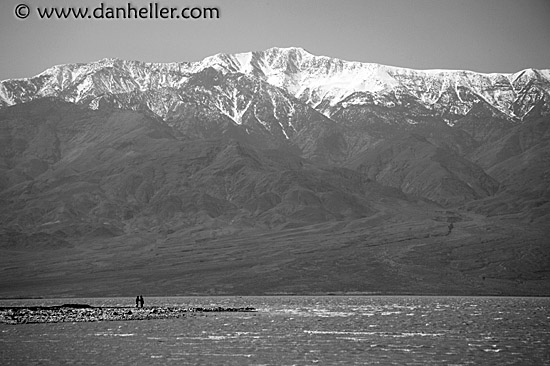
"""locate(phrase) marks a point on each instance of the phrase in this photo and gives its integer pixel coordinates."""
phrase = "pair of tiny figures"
(139, 301)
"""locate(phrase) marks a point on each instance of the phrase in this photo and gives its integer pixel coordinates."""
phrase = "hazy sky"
(478, 35)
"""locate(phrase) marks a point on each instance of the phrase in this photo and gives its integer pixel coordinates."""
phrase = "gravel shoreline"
(87, 313)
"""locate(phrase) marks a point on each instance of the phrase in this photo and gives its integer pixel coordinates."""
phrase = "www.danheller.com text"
(152, 10)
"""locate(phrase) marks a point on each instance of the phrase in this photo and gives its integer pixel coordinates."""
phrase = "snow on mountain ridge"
(324, 83)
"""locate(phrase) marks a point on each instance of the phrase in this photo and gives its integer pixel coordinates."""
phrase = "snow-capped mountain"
(266, 168)
(328, 85)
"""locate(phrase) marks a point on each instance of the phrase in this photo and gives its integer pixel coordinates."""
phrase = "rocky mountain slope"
(273, 172)
(326, 84)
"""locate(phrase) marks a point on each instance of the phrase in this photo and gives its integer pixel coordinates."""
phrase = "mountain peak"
(288, 50)
(327, 84)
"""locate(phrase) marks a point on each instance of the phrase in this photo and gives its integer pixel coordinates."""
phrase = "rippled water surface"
(296, 330)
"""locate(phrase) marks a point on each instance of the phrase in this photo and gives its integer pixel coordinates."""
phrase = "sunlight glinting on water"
(300, 330)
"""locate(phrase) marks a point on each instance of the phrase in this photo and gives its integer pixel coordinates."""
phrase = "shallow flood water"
(296, 330)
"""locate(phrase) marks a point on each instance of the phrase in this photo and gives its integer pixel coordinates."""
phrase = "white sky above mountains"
(483, 36)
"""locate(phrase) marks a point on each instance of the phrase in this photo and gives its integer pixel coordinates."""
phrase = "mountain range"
(273, 172)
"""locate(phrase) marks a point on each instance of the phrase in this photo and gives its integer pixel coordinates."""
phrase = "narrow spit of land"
(87, 313)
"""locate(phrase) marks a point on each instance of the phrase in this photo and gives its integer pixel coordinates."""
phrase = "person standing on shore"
(141, 301)
(137, 301)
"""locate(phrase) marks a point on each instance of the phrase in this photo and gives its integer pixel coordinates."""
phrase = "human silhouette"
(137, 301)
(141, 302)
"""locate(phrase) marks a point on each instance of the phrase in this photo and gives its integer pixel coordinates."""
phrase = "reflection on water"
(298, 330)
